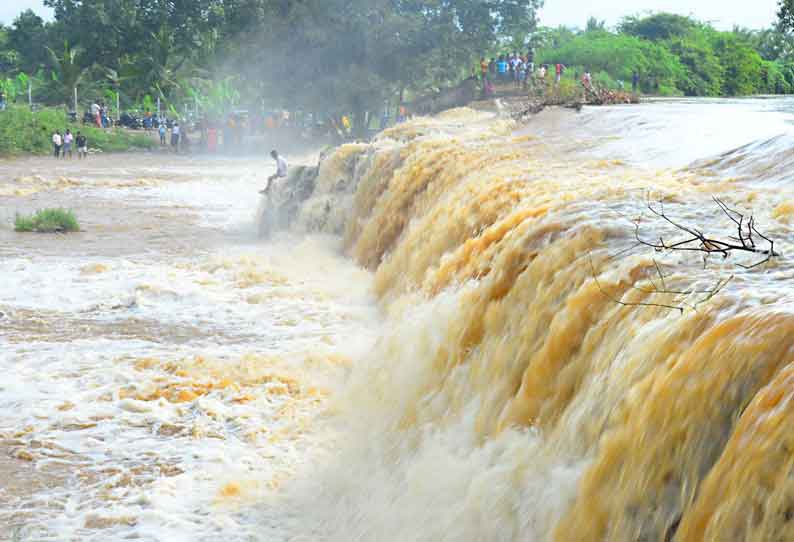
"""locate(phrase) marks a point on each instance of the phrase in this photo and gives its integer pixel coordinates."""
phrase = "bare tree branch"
(697, 241)
(748, 239)
(623, 303)
(707, 294)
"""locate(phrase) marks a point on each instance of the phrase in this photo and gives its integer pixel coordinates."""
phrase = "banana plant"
(221, 96)
(22, 82)
(147, 104)
(112, 98)
(14, 87)
(8, 88)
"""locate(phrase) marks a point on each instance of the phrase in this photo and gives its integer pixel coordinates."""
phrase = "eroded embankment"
(537, 381)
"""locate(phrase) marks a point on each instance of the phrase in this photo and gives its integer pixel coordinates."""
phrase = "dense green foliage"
(786, 14)
(328, 56)
(47, 221)
(676, 55)
(23, 131)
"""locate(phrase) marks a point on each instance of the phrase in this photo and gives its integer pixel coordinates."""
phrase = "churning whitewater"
(544, 374)
(466, 334)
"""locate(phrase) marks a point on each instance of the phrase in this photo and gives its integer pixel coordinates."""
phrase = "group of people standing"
(176, 136)
(99, 115)
(62, 144)
(506, 68)
(520, 69)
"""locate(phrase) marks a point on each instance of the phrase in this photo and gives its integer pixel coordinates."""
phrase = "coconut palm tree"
(67, 70)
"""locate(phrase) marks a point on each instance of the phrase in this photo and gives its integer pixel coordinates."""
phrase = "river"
(460, 338)
(162, 367)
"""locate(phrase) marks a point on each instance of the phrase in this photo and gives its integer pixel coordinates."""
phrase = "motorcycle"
(128, 120)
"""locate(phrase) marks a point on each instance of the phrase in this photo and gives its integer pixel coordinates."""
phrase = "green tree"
(28, 37)
(703, 73)
(743, 66)
(337, 56)
(550, 38)
(594, 25)
(68, 70)
(785, 14)
(661, 26)
(145, 40)
(9, 57)
(773, 43)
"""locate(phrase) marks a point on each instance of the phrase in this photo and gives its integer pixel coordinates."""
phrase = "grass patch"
(47, 221)
(23, 131)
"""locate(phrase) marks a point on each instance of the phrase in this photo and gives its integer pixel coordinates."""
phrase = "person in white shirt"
(281, 171)
(175, 136)
(516, 65)
(56, 144)
(95, 114)
(68, 138)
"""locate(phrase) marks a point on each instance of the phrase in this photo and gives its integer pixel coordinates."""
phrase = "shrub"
(47, 221)
(568, 90)
(602, 79)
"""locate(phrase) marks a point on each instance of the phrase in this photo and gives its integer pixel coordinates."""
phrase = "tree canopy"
(321, 55)
(658, 27)
(350, 56)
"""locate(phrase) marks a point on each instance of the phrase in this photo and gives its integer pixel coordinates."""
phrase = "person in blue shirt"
(501, 68)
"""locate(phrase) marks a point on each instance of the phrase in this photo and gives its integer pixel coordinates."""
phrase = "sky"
(723, 14)
(9, 9)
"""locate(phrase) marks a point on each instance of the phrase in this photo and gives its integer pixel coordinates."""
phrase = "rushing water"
(505, 364)
(161, 368)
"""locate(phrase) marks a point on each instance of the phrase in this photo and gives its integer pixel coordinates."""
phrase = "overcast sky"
(722, 13)
(9, 9)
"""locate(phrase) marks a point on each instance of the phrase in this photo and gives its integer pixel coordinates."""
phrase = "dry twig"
(748, 240)
(664, 290)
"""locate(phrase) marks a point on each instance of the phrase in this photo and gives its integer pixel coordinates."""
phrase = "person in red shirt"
(212, 139)
(559, 69)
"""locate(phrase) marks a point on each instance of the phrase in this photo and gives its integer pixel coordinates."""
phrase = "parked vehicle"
(131, 121)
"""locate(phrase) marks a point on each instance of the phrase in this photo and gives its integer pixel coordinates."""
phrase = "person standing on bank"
(82, 146)
(57, 141)
(175, 133)
(281, 171)
(68, 140)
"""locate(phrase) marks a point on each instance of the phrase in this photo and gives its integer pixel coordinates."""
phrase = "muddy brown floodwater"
(162, 367)
(519, 363)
